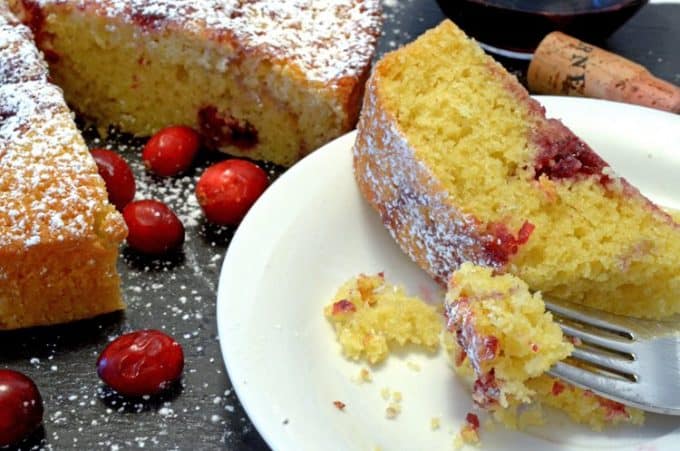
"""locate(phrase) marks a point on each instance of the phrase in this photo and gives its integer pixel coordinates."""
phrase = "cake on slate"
(463, 165)
(59, 236)
(269, 80)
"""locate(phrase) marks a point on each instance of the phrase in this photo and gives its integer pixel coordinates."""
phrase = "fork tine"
(620, 390)
(609, 342)
(608, 362)
(594, 319)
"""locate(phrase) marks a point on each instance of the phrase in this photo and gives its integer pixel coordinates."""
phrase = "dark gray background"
(177, 295)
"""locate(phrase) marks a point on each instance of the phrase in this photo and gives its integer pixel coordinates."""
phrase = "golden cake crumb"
(413, 365)
(392, 411)
(469, 432)
(364, 376)
(370, 316)
(435, 423)
(385, 393)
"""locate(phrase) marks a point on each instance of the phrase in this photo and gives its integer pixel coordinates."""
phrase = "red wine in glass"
(515, 27)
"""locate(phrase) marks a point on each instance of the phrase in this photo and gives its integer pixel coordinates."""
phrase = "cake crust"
(410, 199)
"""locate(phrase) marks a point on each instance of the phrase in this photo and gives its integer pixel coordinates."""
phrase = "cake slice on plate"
(59, 236)
(464, 168)
(269, 80)
(463, 165)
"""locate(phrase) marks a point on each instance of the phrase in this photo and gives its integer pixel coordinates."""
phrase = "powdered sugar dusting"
(20, 59)
(413, 205)
(326, 40)
(45, 166)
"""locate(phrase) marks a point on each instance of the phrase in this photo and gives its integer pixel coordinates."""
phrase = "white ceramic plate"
(312, 230)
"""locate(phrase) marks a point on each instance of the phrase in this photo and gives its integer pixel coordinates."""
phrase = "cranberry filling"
(612, 408)
(489, 348)
(145, 18)
(485, 390)
(220, 129)
(343, 306)
(557, 388)
(472, 420)
(501, 244)
(34, 18)
(564, 155)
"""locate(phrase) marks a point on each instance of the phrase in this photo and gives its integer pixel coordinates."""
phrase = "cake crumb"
(372, 317)
(413, 366)
(392, 411)
(385, 393)
(397, 397)
(339, 405)
(435, 423)
(364, 376)
(470, 430)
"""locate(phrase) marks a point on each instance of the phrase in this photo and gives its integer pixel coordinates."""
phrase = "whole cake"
(463, 165)
(269, 80)
(59, 236)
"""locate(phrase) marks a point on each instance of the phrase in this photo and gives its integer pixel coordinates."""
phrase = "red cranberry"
(502, 244)
(21, 407)
(343, 306)
(557, 388)
(141, 363)
(171, 151)
(472, 420)
(120, 183)
(153, 227)
(488, 348)
(228, 189)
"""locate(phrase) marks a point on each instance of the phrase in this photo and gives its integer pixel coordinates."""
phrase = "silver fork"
(633, 361)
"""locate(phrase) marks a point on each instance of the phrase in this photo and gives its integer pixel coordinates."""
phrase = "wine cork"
(564, 65)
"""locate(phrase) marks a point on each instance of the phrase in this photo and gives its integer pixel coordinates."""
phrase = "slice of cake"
(463, 165)
(503, 341)
(59, 236)
(270, 80)
(371, 316)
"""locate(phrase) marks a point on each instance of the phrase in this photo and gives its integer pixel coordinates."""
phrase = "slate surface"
(177, 295)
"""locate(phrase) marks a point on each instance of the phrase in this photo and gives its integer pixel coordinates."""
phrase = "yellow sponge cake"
(262, 79)
(59, 236)
(463, 165)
